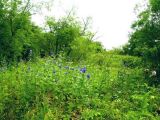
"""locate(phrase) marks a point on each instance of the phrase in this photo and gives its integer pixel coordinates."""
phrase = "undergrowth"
(101, 88)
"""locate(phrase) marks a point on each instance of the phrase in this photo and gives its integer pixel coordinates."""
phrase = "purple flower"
(88, 76)
(83, 70)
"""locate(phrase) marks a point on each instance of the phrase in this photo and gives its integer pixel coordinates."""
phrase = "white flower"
(154, 73)
(30, 51)
(157, 40)
(146, 70)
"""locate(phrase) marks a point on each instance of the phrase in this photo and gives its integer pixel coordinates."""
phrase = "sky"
(110, 18)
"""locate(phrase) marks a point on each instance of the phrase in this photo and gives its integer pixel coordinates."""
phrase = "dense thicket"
(20, 39)
(145, 39)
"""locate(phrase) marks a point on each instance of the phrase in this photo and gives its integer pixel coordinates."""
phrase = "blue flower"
(88, 76)
(67, 67)
(83, 70)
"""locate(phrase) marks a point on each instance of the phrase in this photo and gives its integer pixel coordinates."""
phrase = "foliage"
(82, 49)
(15, 29)
(80, 80)
(55, 89)
(22, 39)
(62, 33)
(145, 38)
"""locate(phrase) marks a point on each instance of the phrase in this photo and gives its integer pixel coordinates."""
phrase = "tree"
(62, 33)
(18, 35)
(144, 40)
(14, 21)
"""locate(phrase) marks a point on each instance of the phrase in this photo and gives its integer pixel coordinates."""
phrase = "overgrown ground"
(104, 87)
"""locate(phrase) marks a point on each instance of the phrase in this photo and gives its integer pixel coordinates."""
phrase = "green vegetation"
(145, 39)
(22, 40)
(59, 72)
(55, 89)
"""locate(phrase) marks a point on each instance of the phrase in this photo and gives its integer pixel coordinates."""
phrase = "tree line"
(21, 39)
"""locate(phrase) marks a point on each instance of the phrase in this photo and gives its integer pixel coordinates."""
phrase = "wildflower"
(146, 70)
(153, 73)
(157, 40)
(67, 67)
(88, 76)
(30, 52)
(83, 70)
